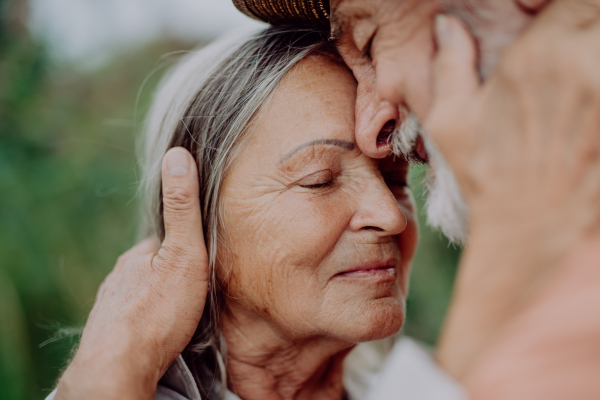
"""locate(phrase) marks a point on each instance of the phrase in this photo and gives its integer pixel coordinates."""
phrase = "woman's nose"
(379, 211)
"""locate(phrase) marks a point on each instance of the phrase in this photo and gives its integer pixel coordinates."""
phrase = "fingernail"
(443, 29)
(178, 162)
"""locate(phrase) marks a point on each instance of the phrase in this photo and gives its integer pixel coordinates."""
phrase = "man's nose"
(378, 211)
(375, 122)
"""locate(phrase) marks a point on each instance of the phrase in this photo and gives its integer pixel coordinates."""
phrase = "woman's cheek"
(321, 222)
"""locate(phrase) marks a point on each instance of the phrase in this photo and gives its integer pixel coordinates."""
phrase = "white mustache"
(445, 205)
(404, 136)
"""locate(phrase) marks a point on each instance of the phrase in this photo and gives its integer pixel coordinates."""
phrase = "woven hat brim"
(286, 11)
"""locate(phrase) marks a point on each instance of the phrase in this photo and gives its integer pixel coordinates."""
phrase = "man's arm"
(525, 147)
(149, 306)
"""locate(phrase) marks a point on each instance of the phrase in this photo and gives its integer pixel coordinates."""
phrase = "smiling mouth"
(385, 271)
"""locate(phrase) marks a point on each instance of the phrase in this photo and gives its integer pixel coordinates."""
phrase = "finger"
(569, 13)
(455, 69)
(181, 205)
(455, 79)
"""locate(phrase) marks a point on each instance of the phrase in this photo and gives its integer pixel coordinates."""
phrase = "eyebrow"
(331, 142)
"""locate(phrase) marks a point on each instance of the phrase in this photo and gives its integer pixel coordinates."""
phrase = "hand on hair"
(525, 148)
(147, 309)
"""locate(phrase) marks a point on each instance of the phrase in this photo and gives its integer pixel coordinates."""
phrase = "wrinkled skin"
(149, 306)
(389, 46)
(524, 148)
(297, 218)
(544, 146)
(531, 326)
(297, 215)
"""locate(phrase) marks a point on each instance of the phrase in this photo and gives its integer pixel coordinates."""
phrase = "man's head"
(389, 45)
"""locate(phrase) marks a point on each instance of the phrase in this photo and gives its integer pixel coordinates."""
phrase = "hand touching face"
(389, 46)
(319, 237)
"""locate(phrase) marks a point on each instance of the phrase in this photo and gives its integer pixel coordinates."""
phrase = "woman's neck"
(264, 364)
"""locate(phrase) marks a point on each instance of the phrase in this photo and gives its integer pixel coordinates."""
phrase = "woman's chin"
(377, 320)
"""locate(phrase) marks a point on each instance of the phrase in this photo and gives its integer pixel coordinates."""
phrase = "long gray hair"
(205, 104)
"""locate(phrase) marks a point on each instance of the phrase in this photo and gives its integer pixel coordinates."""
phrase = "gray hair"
(205, 104)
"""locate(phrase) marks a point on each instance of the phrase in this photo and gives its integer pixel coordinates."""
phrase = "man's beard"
(446, 208)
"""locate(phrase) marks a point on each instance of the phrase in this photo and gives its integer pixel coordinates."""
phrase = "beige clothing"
(372, 371)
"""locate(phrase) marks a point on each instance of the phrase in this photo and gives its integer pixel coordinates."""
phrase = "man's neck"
(265, 364)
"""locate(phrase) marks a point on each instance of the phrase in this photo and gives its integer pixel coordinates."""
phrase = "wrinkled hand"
(525, 148)
(149, 306)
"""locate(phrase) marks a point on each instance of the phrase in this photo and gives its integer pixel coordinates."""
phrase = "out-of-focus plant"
(67, 197)
(22, 75)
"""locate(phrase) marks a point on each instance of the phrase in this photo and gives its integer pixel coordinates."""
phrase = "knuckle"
(517, 67)
(180, 261)
(178, 199)
(178, 255)
(533, 58)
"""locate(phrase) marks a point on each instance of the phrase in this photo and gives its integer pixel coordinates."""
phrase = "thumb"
(181, 207)
(455, 78)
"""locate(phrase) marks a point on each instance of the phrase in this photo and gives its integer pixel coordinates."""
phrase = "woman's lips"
(380, 271)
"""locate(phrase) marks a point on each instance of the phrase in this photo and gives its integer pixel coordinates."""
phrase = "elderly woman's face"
(319, 236)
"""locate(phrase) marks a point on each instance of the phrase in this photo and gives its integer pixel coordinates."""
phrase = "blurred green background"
(68, 204)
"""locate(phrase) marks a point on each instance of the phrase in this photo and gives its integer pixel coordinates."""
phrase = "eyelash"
(319, 185)
(391, 179)
(396, 183)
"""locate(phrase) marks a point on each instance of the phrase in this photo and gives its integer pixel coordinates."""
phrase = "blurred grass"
(434, 268)
(68, 208)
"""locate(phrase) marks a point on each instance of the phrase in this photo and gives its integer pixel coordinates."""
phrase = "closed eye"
(396, 183)
(318, 180)
(396, 178)
(319, 185)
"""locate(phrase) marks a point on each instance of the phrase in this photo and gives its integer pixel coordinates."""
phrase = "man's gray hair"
(205, 104)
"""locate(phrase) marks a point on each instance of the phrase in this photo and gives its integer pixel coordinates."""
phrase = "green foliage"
(67, 200)
(68, 208)
(432, 275)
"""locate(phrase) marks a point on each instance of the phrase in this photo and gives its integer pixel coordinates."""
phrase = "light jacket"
(372, 371)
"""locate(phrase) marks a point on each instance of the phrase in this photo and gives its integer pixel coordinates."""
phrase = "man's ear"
(532, 5)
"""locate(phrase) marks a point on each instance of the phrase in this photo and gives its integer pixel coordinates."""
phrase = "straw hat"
(286, 11)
